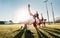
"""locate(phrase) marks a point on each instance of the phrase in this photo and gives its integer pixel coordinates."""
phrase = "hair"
(37, 14)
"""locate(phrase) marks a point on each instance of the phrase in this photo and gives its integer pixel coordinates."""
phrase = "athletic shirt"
(31, 19)
(37, 20)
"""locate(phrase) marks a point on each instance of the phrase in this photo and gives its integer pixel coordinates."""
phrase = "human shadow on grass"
(49, 31)
(53, 28)
(17, 30)
(40, 34)
(56, 30)
(28, 34)
(19, 35)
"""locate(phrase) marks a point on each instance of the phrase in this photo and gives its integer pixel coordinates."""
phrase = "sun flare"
(21, 15)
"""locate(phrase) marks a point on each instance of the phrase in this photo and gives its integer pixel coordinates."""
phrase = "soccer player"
(43, 21)
(33, 17)
(38, 20)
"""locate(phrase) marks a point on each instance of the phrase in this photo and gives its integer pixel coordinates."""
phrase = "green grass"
(14, 31)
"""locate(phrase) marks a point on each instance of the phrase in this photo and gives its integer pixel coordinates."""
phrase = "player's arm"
(29, 10)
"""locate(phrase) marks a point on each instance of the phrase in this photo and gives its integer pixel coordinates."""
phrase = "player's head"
(37, 14)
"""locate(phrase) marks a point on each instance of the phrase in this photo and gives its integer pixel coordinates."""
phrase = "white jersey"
(37, 20)
(31, 19)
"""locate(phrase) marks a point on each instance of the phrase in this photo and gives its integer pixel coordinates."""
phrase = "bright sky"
(11, 9)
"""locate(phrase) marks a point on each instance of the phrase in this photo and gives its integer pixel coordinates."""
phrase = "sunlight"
(21, 15)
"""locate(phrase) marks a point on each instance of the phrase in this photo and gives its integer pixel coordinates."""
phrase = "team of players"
(35, 20)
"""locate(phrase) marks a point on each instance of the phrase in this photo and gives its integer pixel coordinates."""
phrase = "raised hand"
(29, 10)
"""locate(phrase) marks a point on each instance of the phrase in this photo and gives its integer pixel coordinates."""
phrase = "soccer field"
(14, 31)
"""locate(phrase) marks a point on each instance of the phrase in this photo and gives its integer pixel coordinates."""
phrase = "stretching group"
(34, 19)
